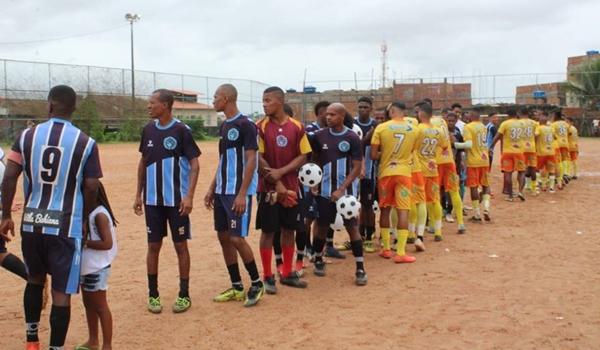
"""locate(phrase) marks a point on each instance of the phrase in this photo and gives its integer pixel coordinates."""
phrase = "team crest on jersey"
(282, 141)
(344, 146)
(233, 134)
(170, 143)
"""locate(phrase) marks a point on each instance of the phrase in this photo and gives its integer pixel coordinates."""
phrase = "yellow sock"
(412, 220)
(552, 181)
(437, 218)
(458, 207)
(544, 178)
(561, 170)
(401, 246)
(528, 183)
(429, 208)
(533, 186)
(486, 198)
(385, 237)
(421, 218)
(575, 169)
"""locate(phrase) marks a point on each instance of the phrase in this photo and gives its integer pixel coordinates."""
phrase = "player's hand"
(315, 190)
(362, 174)
(337, 194)
(186, 206)
(209, 200)
(239, 205)
(7, 226)
(273, 175)
(137, 206)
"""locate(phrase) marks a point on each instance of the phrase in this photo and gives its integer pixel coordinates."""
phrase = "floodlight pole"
(131, 18)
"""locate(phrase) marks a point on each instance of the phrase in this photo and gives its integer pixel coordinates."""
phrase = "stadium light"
(131, 18)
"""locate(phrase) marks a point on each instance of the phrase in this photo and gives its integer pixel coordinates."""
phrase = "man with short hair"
(492, 130)
(546, 154)
(61, 168)
(573, 148)
(510, 132)
(166, 182)
(529, 152)
(456, 108)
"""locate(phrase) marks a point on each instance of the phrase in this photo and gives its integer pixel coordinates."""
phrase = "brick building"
(550, 93)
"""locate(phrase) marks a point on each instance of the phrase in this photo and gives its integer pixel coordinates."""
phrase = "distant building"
(186, 106)
(442, 94)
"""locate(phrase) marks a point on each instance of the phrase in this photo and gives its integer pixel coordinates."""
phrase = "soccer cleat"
(32, 345)
(182, 304)
(462, 229)
(319, 268)
(344, 246)
(430, 229)
(394, 243)
(293, 280)
(300, 268)
(475, 219)
(331, 252)
(467, 207)
(368, 247)
(449, 218)
(361, 278)
(404, 259)
(438, 238)
(154, 305)
(386, 253)
(255, 293)
(551, 190)
(521, 196)
(486, 215)
(419, 245)
(410, 240)
(270, 286)
(230, 294)
(510, 198)
(574, 177)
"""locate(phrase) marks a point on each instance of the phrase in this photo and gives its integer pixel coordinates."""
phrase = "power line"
(27, 42)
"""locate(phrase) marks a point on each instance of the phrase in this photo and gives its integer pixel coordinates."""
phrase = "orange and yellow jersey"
(561, 132)
(412, 121)
(443, 156)
(429, 139)
(415, 166)
(528, 139)
(573, 139)
(544, 140)
(396, 140)
(512, 130)
(478, 154)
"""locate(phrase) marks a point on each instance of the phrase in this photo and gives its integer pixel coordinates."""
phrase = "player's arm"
(497, 137)
(104, 231)
(187, 203)
(356, 166)
(239, 204)
(9, 187)
(141, 179)
(375, 142)
(90, 195)
(468, 141)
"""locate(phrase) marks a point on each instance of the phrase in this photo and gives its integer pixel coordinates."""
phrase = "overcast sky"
(274, 41)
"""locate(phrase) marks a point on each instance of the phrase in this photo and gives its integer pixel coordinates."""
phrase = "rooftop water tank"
(592, 52)
(310, 89)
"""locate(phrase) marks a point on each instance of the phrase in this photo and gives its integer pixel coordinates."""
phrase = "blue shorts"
(157, 219)
(228, 221)
(96, 281)
(57, 256)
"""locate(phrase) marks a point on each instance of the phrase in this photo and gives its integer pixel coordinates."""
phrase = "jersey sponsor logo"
(233, 134)
(170, 143)
(42, 217)
(344, 146)
(282, 141)
(150, 144)
(181, 230)
(325, 146)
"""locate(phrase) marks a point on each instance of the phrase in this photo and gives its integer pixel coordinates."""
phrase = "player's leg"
(326, 210)
(277, 252)
(486, 197)
(181, 233)
(402, 202)
(473, 184)
(451, 185)
(92, 321)
(357, 250)
(156, 227)
(412, 222)
(386, 199)
(574, 164)
(289, 224)
(31, 245)
(267, 220)
(301, 239)
(367, 215)
(434, 208)
(94, 288)
(11, 262)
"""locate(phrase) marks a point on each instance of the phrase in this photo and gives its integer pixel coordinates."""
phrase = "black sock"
(184, 287)
(318, 245)
(153, 285)
(59, 325)
(13, 264)
(362, 231)
(370, 230)
(301, 238)
(357, 251)
(253, 272)
(330, 237)
(277, 248)
(32, 302)
(234, 276)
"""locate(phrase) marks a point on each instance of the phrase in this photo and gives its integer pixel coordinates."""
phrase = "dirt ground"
(529, 280)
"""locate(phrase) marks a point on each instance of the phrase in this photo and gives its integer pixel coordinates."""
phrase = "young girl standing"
(99, 251)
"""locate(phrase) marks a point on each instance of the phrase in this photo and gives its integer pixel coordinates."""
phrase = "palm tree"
(584, 83)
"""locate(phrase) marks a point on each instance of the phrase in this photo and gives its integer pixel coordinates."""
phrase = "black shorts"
(228, 221)
(157, 218)
(367, 192)
(2, 246)
(57, 256)
(328, 211)
(271, 218)
(309, 209)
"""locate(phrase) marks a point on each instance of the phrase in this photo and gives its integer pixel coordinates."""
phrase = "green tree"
(584, 83)
(198, 130)
(88, 119)
(131, 127)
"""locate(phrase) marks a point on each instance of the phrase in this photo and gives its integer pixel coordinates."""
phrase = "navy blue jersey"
(370, 164)
(236, 136)
(312, 128)
(166, 153)
(365, 127)
(334, 153)
(56, 158)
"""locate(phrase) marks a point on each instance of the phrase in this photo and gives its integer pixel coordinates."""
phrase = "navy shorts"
(308, 207)
(328, 211)
(367, 192)
(2, 246)
(57, 256)
(228, 221)
(271, 218)
(157, 219)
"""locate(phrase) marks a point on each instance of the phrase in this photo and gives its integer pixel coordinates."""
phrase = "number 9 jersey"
(396, 140)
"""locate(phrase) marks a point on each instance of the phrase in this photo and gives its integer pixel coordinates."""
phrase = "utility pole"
(131, 18)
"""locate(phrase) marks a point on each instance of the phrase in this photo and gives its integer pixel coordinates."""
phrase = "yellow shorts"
(432, 189)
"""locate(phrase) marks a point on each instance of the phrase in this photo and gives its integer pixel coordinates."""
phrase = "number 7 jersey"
(396, 140)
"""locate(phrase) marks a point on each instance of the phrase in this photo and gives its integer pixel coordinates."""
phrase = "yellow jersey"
(573, 139)
(544, 140)
(512, 131)
(528, 139)
(561, 132)
(443, 156)
(429, 139)
(396, 140)
(478, 154)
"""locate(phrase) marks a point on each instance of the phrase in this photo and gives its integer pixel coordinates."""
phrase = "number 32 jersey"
(56, 158)
(396, 140)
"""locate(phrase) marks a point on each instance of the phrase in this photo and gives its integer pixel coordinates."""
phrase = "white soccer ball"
(338, 224)
(375, 206)
(357, 130)
(310, 174)
(348, 206)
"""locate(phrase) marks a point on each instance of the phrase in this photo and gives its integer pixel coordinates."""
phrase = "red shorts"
(395, 191)
(547, 163)
(530, 159)
(478, 176)
(432, 189)
(418, 188)
(513, 162)
(564, 153)
(574, 155)
(448, 176)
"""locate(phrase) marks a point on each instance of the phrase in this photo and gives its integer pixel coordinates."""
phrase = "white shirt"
(95, 260)
(460, 125)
